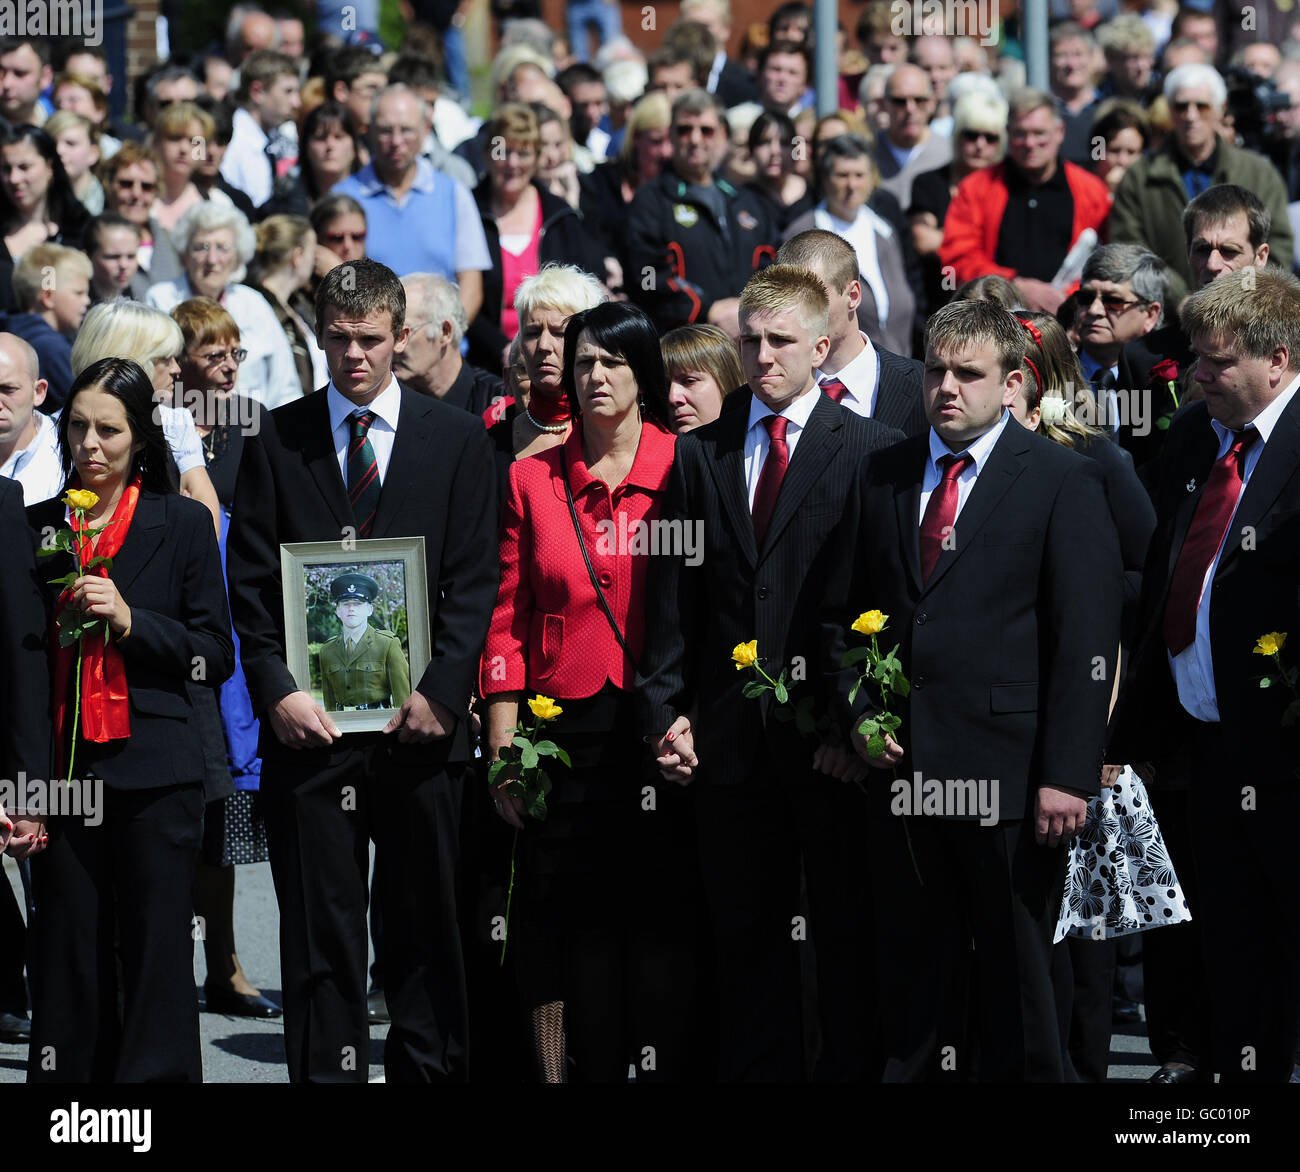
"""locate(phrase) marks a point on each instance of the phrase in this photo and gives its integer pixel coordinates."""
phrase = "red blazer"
(974, 220)
(548, 631)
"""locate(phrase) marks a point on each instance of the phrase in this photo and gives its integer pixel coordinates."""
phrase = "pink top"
(514, 269)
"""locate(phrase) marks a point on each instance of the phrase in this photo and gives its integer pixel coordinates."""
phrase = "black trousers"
(1083, 974)
(991, 884)
(13, 989)
(323, 807)
(124, 882)
(1250, 918)
(752, 838)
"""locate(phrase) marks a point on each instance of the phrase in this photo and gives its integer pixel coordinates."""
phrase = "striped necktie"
(363, 474)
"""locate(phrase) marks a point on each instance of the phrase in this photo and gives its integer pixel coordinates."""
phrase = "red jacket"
(974, 220)
(548, 632)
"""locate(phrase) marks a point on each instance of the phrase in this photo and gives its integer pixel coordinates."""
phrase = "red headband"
(1037, 335)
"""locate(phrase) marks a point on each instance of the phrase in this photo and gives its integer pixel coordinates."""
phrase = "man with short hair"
(25, 72)
(694, 242)
(908, 146)
(935, 55)
(171, 83)
(589, 99)
(1220, 574)
(417, 219)
(868, 380)
(1073, 55)
(292, 36)
(112, 243)
(977, 518)
(432, 363)
(1199, 25)
(784, 71)
(1120, 299)
(29, 439)
(259, 149)
(367, 458)
(50, 311)
(767, 482)
(730, 80)
(672, 72)
(1150, 199)
(1020, 219)
(353, 77)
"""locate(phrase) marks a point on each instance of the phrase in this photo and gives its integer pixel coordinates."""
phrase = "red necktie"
(834, 388)
(940, 514)
(1208, 529)
(769, 480)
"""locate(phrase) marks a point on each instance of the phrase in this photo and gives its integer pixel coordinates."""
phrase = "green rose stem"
(510, 893)
(76, 704)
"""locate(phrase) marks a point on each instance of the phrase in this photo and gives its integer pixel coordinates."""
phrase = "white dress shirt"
(1193, 667)
(245, 164)
(39, 466)
(757, 440)
(979, 452)
(861, 379)
(386, 405)
(862, 235)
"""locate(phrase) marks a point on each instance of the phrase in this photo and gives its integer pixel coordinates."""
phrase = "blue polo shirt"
(434, 229)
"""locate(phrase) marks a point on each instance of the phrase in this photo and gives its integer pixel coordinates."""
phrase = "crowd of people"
(697, 402)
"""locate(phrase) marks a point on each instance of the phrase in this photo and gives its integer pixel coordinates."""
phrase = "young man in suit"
(869, 381)
(992, 553)
(767, 481)
(365, 457)
(1223, 570)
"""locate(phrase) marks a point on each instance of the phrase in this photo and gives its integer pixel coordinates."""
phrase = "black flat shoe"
(239, 1004)
(14, 1028)
(1169, 1076)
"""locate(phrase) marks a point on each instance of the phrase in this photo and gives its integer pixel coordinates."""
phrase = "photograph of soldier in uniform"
(362, 667)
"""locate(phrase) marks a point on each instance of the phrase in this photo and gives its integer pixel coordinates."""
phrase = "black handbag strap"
(582, 545)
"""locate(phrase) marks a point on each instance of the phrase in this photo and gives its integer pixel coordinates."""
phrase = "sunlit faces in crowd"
(966, 391)
(359, 350)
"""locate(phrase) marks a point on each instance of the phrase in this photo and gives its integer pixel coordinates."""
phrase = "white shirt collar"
(1264, 422)
(979, 451)
(46, 438)
(861, 372)
(798, 412)
(386, 405)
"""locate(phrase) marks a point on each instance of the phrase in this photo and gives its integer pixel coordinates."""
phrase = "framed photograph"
(356, 625)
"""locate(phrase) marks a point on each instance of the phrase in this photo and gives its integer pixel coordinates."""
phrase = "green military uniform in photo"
(371, 672)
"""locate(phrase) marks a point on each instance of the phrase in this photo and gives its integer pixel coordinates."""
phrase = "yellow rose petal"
(870, 622)
(745, 654)
(80, 498)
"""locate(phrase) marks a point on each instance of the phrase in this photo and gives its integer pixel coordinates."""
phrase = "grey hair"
(844, 146)
(397, 88)
(1193, 76)
(210, 217)
(432, 300)
(1146, 273)
(566, 288)
(698, 101)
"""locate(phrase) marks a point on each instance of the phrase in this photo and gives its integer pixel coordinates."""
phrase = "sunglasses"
(980, 136)
(1084, 298)
(1200, 107)
(901, 100)
(143, 184)
(687, 130)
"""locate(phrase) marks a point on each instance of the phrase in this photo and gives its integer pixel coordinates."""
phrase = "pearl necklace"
(549, 428)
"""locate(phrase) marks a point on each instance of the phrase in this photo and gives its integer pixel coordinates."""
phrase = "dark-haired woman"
(600, 893)
(785, 194)
(331, 151)
(113, 996)
(37, 203)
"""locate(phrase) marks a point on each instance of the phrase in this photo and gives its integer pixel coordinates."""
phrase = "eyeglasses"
(1084, 299)
(397, 132)
(342, 237)
(685, 131)
(206, 246)
(143, 184)
(1199, 107)
(218, 357)
(980, 136)
(901, 100)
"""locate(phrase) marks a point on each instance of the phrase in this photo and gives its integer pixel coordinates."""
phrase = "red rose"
(1166, 370)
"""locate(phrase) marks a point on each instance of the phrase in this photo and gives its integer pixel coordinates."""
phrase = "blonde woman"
(76, 139)
(281, 271)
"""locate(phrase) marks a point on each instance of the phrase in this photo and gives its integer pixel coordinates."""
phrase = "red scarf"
(105, 712)
(549, 409)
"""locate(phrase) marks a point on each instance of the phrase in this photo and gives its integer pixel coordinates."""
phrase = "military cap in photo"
(354, 588)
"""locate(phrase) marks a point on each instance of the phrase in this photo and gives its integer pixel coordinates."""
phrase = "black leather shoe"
(1125, 1011)
(14, 1028)
(377, 1007)
(239, 1004)
(1170, 1076)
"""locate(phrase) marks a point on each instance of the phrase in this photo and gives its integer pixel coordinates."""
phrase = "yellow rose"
(544, 708)
(1270, 644)
(745, 654)
(870, 622)
(80, 498)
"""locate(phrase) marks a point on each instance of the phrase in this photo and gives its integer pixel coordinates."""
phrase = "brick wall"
(141, 38)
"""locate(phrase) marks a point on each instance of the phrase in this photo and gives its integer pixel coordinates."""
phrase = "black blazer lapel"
(412, 446)
(907, 509)
(1005, 464)
(728, 468)
(322, 460)
(143, 539)
(1197, 468)
(816, 448)
(1277, 466)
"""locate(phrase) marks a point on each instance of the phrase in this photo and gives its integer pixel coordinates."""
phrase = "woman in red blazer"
(592, 930)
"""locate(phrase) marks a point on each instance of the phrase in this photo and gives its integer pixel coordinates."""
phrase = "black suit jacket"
(24, 664)
(1004, 645)
(1255, 590)
(439, 485)
(1142, 438)
(899, 403)
(168, 572)
(736, 84)
(739, 591)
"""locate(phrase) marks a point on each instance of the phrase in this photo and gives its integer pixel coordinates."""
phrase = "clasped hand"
(99, 597)
(675, 753)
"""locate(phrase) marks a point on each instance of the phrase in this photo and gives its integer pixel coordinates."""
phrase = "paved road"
(238, 1049)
